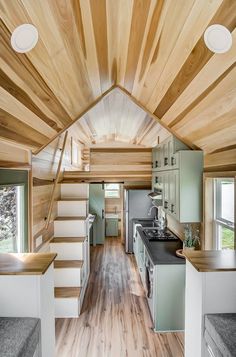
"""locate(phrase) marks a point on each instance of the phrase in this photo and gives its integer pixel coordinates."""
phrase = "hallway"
(115, 319)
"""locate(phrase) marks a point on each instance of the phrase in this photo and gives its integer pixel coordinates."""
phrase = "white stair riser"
(70, 228)
(67, 307)
(66, 277)
(71, 208)
(80, 190)
(68, 251)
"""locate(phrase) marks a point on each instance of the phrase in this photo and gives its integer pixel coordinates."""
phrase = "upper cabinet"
(177, 177)
(164, 155)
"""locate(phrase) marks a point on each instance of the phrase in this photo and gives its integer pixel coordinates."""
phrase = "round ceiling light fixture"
(24, 38)
(218, 38)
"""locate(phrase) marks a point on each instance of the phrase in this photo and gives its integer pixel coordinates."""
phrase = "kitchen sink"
(148, 223)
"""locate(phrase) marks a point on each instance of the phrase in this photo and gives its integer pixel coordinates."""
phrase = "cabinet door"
(165, 154)
(156, 158)
(173, 208)
(165, 178)
(158, 185)
(173, 156)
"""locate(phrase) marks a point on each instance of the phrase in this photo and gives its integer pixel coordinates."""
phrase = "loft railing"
(56, 182)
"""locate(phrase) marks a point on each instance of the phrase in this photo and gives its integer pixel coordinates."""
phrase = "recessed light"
(218, 38)
(24, 38)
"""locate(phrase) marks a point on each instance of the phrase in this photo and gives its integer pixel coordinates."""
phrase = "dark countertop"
(162, 252)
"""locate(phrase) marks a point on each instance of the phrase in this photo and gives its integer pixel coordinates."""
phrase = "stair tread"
(68, 240)
(68, 264)
(72, 199)
(67, 292)
(70, 218)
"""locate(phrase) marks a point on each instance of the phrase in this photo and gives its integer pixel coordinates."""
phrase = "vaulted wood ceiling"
(153, 49)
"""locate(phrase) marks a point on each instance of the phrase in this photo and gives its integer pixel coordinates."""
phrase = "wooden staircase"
(71, 268)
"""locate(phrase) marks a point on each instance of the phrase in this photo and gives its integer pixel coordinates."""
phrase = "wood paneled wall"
(13, 156)
(44, 167)
(223, 160)
(120, 160)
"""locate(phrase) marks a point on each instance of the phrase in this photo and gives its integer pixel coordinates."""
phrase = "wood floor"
(115, 320)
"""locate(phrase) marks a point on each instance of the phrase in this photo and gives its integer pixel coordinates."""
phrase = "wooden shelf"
(70, 218)
(72, 199)
(67, 292)
(68, 240)
(25, 264)
(60, 264)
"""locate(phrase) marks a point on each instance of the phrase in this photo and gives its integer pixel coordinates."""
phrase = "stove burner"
(158, 234)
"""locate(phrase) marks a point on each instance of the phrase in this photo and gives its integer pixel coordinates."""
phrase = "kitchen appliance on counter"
(136, 205)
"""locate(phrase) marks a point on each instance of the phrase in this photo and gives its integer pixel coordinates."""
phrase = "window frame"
(218, 220)
(14, 177)
(112, 190)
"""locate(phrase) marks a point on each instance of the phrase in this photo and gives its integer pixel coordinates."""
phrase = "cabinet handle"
(173, 161)
(172, 208)
(152, 165)
(103, 215)
(165, 204)
(156, 179)
(156, 163)
(166, 161)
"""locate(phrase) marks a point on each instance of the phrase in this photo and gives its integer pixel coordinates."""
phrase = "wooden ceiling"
(153, 49)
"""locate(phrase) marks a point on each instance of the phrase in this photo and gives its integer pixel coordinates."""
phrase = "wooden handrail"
(56, 182)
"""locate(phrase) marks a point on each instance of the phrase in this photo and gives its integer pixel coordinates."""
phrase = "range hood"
(155, 195)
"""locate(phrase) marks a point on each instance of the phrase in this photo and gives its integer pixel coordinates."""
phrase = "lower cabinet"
(164, 286)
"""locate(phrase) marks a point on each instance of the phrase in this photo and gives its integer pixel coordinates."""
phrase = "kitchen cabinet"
(111, 227)
(164, 155)
(164, 285)
(180, 188)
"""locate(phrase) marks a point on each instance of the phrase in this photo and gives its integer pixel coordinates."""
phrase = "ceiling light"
(218, 38)
(24, 38)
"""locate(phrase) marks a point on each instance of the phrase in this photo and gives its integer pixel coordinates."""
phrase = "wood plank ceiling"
(153, 49)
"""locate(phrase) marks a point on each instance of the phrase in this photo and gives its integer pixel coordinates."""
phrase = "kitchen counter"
(212, 260)
(162, 252)
(25, 263)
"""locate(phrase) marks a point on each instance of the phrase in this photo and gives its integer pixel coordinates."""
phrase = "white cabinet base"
(206, 292)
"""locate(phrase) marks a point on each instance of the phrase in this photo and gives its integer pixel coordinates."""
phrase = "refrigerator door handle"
(127, 232)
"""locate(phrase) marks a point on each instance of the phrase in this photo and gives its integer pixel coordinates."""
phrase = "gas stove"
(157, 234)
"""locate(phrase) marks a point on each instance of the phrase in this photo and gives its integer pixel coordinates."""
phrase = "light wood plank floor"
(115, 320)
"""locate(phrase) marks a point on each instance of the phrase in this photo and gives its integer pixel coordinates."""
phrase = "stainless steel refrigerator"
(136, 205)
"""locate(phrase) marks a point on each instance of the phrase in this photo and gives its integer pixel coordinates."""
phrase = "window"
(112, 190)
(13, 211)
(11, 218)
(224, 213)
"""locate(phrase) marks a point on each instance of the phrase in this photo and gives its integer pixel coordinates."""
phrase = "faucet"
(150, 211)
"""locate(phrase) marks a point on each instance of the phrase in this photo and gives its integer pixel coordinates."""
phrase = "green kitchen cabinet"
(97, 207)
(179, 182)
(111, 227)
(164, 155)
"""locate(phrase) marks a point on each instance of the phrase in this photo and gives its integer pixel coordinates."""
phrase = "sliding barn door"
(97, 206)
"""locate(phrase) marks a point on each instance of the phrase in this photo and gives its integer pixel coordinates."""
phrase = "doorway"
(106, 203)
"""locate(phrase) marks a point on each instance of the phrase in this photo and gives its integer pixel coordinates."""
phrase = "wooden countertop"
(212, 260)
(26, 263)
